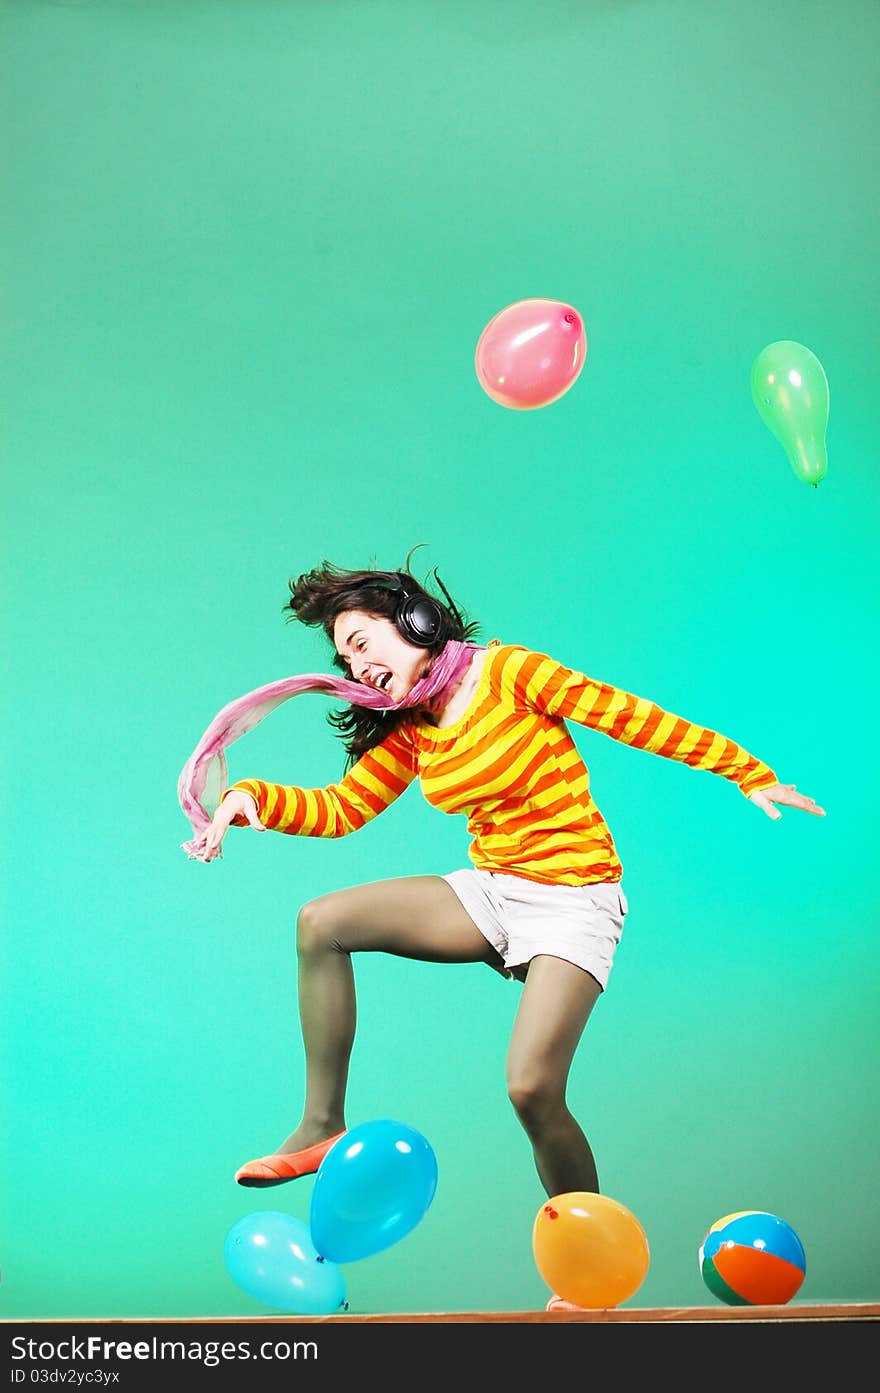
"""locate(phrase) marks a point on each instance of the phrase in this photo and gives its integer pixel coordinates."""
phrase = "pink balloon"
(530, 353)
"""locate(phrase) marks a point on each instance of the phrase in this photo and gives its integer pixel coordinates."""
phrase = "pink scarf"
(203, 778)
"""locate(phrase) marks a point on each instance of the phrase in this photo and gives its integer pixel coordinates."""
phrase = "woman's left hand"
(787, 794)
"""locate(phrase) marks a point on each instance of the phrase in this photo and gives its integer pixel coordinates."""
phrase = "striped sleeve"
(369, 787)
(541, 684)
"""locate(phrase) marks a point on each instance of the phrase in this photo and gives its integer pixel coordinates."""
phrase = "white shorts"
(522, 918)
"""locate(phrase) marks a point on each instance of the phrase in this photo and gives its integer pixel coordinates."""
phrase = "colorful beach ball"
(752, 1258)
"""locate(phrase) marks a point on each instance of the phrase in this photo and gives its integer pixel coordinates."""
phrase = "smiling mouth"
(383, 682)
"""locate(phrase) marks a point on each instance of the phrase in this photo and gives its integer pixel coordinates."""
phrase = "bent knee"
(531, 1097)
(317, 925)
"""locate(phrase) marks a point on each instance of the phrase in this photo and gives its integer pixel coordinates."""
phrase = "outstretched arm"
(786, 794)
(542, 684)
(369, 787)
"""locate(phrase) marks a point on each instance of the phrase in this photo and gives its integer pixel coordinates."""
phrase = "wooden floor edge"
(656, 1315)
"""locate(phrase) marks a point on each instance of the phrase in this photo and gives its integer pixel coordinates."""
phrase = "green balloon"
(790, 391)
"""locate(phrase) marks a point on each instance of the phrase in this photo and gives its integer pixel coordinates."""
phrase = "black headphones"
(420, 619)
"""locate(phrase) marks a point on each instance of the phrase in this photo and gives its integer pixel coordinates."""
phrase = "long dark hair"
(319, 596)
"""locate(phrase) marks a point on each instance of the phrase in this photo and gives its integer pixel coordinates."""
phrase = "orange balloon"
(590, 1249)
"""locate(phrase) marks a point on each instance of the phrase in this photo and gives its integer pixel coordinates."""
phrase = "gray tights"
(421, 917)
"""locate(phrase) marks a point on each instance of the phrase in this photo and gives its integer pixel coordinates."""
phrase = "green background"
(248, 250)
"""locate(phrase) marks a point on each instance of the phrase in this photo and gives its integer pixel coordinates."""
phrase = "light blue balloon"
(271, 1256)
(373, 1186)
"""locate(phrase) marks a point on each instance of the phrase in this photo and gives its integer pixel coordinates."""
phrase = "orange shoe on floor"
(283, 1166)
(556, 1303)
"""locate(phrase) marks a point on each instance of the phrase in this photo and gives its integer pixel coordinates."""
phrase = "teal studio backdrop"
(248, 250)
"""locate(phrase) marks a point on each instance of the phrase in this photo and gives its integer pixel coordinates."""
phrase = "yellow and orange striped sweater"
(510, 765)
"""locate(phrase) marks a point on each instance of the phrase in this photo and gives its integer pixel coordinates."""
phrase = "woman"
(484, 728)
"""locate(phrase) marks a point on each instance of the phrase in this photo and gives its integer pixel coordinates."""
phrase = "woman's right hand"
(235, 806)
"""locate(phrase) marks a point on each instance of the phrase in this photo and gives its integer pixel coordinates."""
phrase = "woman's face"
(377, 655)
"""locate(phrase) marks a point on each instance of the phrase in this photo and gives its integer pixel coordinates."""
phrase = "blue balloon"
(373, 1186)
(270, 1255)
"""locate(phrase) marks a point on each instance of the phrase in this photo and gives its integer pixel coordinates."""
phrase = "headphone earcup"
(420, 620)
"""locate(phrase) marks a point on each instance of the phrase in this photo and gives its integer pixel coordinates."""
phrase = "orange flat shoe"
(276, 1169)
